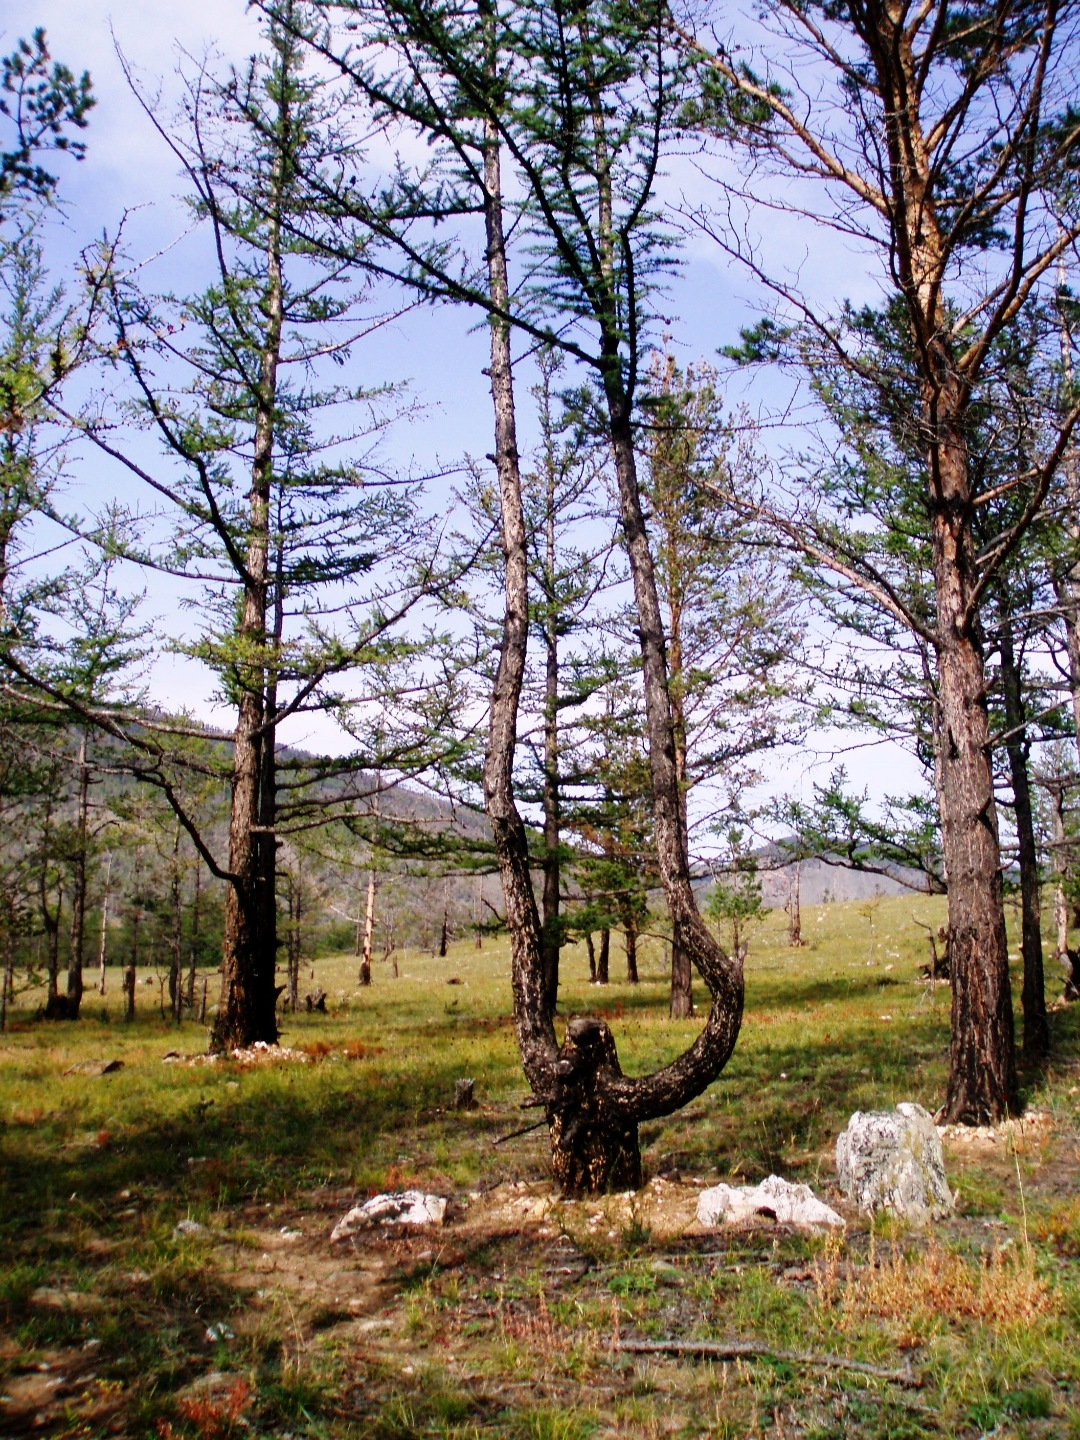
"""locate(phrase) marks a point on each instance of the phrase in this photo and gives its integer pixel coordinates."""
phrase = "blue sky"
(129, 169)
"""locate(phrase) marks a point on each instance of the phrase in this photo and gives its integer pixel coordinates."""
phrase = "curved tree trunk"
(593, 1110)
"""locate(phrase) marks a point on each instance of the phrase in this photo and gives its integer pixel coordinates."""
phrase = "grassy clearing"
(114, 1322)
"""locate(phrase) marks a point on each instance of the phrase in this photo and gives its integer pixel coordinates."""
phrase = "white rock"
(892, 1160)
(217, 1332)
(189, 1227)
(407, 1207)
(784, 1202)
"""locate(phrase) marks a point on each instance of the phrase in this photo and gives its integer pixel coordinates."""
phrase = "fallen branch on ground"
(528, 1129)
(750, 1350)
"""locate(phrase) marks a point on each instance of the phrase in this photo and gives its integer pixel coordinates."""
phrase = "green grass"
(471, 1334)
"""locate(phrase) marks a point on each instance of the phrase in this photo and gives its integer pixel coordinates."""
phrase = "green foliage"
(41, 103)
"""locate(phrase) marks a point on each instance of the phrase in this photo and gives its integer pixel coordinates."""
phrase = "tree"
(232, 383)
(965, 244)
(40, 103)
(733, 634)
(579, 100)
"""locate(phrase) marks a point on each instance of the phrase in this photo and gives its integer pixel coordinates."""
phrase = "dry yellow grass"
(1002, 1290)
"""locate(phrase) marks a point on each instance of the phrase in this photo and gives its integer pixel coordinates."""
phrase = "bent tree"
(938, 148)
(576, 100)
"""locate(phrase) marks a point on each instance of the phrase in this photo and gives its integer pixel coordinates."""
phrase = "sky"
(129, 171)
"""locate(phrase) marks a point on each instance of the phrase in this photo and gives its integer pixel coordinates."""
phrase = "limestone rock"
(774, 1198)
(892, 1160)
(407, 1207)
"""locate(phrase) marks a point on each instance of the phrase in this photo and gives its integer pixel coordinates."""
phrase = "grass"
(114, 1322)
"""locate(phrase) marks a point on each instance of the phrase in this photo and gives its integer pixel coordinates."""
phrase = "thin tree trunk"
(369, 929)
(480, 912)
(603, 960)
(194, 952)
(795, 939)
(132, 966)
(176, 968)
(592, 956)
(78, 886)
(630, 937)
(444, 933)
(551, 927)
(1036, 1024)
(104, 925)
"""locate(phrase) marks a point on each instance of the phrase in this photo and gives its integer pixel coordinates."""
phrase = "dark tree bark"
(247, 1010)
(193, 953)
(630, 938)
(603, 961)
(78, 885)
(444, 933)
(1036, 1025)
(176, 976)
(551, 924)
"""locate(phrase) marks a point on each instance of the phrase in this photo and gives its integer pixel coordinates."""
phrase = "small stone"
(189, 1227)
(217, 1332)
(406, 1207)
(95, 1067)
(892, 1160)
(774, 1198)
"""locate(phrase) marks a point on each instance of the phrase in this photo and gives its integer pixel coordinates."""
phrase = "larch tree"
(306, 554)
(577, 102)
(933, 141)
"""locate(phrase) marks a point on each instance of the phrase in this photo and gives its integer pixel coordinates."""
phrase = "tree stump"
(463, 1094)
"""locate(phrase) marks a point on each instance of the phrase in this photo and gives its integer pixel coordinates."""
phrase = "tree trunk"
(591, 949)
(194, 952)
(681, 1003)
(444, 933)
(247, 1010)
(982, 1066)
(591, 1149)
(78, 886)
(369, 930)
(104, 925)
(176, 970)
(593, 1110)
(681, 1006)
(795, 939)
(1036, 1025)
(133, 956)
(551, 927)
(603, 961)
(630, 936)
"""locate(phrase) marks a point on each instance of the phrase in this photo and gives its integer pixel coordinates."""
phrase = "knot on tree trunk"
(594, 1148)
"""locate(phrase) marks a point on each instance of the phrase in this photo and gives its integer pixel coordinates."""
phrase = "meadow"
(164, 1223)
